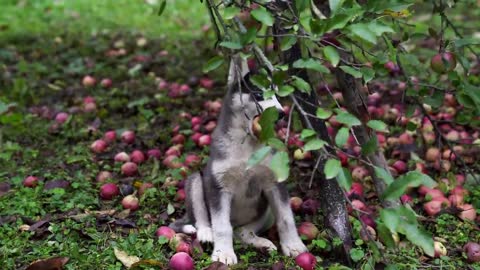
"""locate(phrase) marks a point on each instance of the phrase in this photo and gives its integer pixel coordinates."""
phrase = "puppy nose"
(281, 114)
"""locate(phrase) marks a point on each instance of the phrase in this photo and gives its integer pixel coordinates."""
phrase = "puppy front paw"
(205, 234)
(227, 257)
(293, 247)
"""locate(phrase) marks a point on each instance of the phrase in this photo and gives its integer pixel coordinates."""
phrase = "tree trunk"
(331, 195)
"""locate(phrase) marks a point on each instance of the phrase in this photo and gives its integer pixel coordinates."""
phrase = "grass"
(184, 18)
(48, 47)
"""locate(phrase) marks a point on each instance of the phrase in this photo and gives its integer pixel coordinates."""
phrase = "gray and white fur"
(229, 195)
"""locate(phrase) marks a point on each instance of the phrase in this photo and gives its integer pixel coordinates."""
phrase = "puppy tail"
(182, 225)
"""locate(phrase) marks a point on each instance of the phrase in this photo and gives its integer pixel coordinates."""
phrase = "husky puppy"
(229, 195)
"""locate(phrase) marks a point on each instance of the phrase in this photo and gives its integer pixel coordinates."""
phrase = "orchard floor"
(63, 216)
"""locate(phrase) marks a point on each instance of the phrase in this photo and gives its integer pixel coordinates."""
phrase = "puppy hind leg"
(248, 232)
(290, 242)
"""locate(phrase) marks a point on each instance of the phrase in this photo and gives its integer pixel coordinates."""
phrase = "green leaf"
(285, 90)
(314, 144)
(370, 146)
(420, 238)
(356, 254)
(163, 4)
(301, 84)
(277, 144)
(344, 179)
(332, 55)
(267, 122)
(348, 119)
(335, 5)
(378, 125)
(390, 218)
(355, 73)
(231, 45)
(411, 179)
(385, 235)
(379, 28)
(261, 81)
(213, 63)
(306, 133)
(311, 64)
(287, 42)
(249, 36)
(367, 73)
(342, 137)
(263, 16)
(258, 156)
(362, 31)
(332, 168)
(383, 174)
(280, 166)
(230, 12)
(466, 42)
(323, 114)
(170, 209)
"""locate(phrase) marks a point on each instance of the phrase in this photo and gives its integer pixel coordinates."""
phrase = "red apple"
(443, 62)
(456, 199)
(154, 153)
(30, 181)
(400, 166)
(130, 202)
(181, 261)
(356, 189)
(204, 140)
(174, 150)
(468, 212)
(306, 261)
(128, 136)
(137, 156)
(307, 231)
(104, 176)
(129, 169)
(196, 120)
(143, 187)
(473, 252)
(206, 83)
(178, 139)
(122, 157)
(172, 162)
(192, 160)
(108, 191)
(296, 204)
(432, 207)
(433, 154)
(106, 83)
(110, 136)
(98, 146)
(440, 249)
(89, 81)
(181, 195)
(165, 231)
(359, 173)
(61, 117)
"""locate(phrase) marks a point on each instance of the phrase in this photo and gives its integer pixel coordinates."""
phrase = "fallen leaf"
(56, 184)
(216, 266)
(148, 262)
(38, 224)
(123, 257)
(4, 188)
(55, 263)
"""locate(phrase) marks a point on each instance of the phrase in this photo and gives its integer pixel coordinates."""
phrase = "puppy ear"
(238, 69)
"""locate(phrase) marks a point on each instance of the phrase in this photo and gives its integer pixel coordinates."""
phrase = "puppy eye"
(258, 96)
